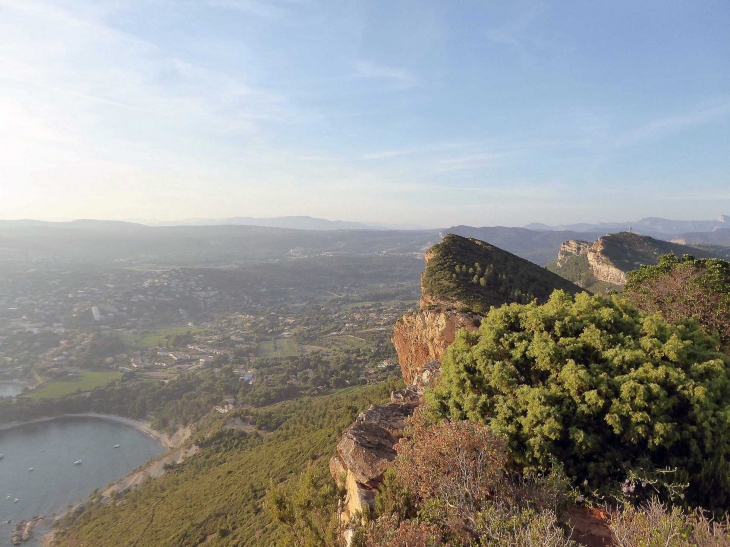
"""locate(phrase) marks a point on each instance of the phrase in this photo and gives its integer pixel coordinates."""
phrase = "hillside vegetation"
(687, 287)
(217, 496)
(468, 273)
(577, 269)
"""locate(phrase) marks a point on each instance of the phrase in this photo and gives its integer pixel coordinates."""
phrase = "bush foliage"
(654, 525)
(451, 477)
(687, 287)
(600, 387)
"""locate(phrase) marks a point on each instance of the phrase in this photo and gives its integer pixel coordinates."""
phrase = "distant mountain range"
(81, 224)
(116, 242)
(690, 231)
(293, 222)
(716, 237)
(652, 226)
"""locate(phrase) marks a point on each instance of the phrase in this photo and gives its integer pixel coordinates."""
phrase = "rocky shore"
(23, 530)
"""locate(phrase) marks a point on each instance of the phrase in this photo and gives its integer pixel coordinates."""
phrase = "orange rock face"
(423, 336)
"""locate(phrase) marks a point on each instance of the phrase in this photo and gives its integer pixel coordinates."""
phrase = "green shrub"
(599, 386)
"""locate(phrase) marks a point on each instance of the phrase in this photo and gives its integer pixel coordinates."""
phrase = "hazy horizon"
(394, 113)
(365, 225)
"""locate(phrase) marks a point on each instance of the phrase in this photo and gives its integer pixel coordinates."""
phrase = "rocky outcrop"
(23, 530)
(602, 268)
(367, 448)
(572, 247)
(423, 336)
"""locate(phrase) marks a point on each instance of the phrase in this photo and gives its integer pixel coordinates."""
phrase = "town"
(301, 326)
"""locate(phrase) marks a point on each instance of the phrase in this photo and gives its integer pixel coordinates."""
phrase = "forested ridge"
(478, 275)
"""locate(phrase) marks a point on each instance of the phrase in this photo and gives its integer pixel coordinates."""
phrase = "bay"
(51, 448)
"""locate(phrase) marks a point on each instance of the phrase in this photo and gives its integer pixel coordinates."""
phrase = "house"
(247, 376)
(225, 409)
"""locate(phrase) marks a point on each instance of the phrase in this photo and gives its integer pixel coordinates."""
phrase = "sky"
(429, 113)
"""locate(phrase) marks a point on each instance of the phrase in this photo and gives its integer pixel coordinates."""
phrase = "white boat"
(30, 469)
(116, 446)
(16, 500)
(1, 456)
(8, 497)
(78, 462)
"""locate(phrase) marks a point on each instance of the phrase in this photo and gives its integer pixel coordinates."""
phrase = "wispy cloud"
(65, 54)
(368, 70)
(669, 125)
(471, 161)
(417, 150)
(517, 32)
(266, 10)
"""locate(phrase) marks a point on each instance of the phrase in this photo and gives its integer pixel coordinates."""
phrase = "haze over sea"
(51, 448)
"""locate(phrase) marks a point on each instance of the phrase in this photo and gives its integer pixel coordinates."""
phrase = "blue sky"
(433, 113)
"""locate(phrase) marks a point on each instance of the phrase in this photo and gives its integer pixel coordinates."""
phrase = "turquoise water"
(51, 448)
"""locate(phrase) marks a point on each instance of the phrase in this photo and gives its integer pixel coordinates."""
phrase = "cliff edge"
(463, 278)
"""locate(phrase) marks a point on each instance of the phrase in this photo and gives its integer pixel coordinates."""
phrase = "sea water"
(51, 448)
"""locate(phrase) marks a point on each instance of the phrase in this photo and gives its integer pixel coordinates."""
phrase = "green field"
(152, 338)
(277, 348)
(84, 381)
(345, 342)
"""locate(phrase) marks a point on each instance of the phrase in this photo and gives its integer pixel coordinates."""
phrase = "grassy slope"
(508, 273)
(218, 494)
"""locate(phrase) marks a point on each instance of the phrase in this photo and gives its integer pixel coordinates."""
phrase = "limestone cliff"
(570, 248)
(610, 257)
(423, 336)
(602, 266)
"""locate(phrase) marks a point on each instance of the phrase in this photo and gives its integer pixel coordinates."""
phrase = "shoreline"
(153, 468)
(163, 438)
